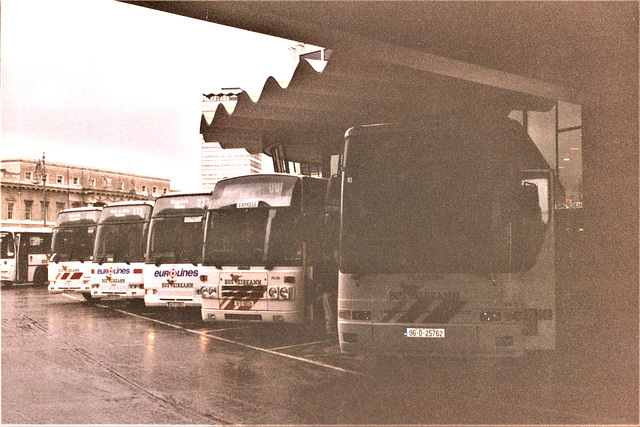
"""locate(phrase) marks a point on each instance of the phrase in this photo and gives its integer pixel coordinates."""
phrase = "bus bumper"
(118, 293)
(155, 301)
(69, 289)
(464, 340)
(215, 315)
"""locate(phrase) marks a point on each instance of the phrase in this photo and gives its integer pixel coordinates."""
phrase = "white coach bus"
(174, 250)
(261, 236)
(72, 251)
(447, 239)
(119, 251)
(24, 254)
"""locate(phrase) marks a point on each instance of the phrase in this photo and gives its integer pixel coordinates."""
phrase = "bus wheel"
(40, 276)
(87, 296)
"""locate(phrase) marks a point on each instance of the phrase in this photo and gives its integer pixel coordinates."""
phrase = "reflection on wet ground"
(74, 362)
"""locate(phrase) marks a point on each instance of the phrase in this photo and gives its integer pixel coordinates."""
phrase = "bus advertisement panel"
(24, 255)
(72, 251)
(174, 250)
(119, 250)
(261, 235)
(447, 239)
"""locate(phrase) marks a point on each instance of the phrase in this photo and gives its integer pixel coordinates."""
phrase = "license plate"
(113, 296)
(243, 303)
(424, 332)
(176, 304)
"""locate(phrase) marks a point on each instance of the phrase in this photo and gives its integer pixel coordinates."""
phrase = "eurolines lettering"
(111, 271)
(173, 273)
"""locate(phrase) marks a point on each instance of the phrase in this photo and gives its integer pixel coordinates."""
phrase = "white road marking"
(301, 345)
(208, 335)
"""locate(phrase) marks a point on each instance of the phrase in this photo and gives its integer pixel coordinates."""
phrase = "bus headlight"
(273, 293)
(285, 293)
(213, 292)
(204, 292)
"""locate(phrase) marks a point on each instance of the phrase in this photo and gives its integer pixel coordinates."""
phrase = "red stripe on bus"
(64, 276)
(76, 276)
(137, 271)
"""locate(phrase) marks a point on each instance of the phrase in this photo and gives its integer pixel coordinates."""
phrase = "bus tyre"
(87, 296)
(40, 276)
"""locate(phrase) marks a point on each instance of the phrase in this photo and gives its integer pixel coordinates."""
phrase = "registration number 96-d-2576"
(424, 332)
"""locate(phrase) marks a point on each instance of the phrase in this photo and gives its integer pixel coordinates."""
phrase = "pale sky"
(105, 84)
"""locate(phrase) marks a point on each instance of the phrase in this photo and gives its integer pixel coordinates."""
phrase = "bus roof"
(271, 174)
(185, 193)
(83, 209)
(131, 203)
(17, 229)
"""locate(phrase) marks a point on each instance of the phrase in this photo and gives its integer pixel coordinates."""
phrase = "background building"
(219, 163)
(26, 201)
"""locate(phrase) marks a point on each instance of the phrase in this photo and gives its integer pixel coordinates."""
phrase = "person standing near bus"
(326, 278)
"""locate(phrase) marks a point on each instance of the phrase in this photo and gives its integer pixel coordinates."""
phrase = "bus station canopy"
(396, 61)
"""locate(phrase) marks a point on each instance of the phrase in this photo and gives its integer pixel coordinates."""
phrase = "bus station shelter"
(568, 71)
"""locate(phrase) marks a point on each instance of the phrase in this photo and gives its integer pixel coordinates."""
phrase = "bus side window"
(530, 227)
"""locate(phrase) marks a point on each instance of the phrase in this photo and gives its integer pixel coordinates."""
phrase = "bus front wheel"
(40, 277)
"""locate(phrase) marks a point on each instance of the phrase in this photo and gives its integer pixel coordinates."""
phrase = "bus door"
(8, 256)
(22, 259)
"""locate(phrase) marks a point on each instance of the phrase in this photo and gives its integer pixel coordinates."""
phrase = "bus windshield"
(258, 236)
(73, 243)
(440, 201)
(176, 229)
(6, 245)
(175, 239)
(121, 235)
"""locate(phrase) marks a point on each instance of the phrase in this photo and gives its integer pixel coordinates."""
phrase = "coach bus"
(119, 251)
(72, 251)
(24, 255)
(174, 250)
(447, 239)
(263, 232)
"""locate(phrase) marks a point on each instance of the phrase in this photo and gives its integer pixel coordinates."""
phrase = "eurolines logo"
(111, 271)
(173, 273)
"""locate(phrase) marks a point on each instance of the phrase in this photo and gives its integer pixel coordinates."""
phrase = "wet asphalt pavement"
(66, 361)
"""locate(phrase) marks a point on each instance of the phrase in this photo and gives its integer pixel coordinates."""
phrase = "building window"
(122, 186)
(10, 210)
(59, 207)
(154, 190)
(28, 175)
(76, 204)
(60, 179)
(164, 191)
(144, 188)
(76, 181)
(43, 209)
(28, 207)
(92, 182)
